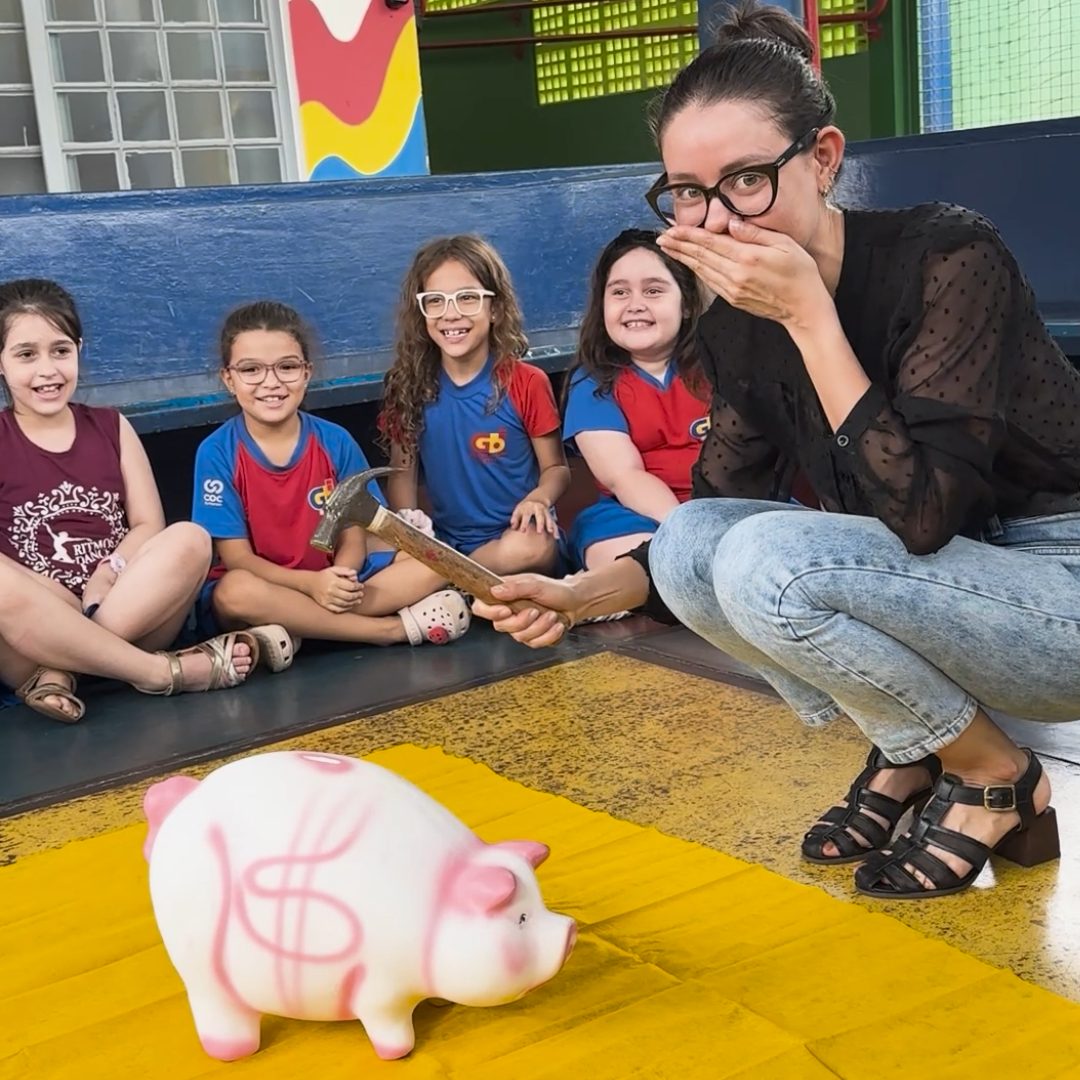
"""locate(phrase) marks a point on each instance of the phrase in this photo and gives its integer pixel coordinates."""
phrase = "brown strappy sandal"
(223, 673)
(33, 693)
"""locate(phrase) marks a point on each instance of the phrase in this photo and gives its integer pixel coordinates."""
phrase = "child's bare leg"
(37, 627)
(151, 598)
(244, 599)
(402, 583)
(605, 552)
(61, 592)
(16, 669)
(518, 552)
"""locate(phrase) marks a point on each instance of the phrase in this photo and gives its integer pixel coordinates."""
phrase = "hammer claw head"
(350, 503)
(363, 478)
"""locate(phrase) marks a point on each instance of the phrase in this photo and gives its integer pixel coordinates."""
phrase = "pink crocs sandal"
(439, 618)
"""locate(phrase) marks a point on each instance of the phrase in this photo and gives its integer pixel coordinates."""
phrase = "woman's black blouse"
(973, 410)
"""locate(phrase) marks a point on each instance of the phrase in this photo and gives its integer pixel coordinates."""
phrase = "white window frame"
(285, 60)
(47, 101)
(37, 150)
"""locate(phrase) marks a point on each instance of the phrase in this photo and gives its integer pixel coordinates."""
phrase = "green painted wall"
(1014, 60)
(849, 79)
(482, 114)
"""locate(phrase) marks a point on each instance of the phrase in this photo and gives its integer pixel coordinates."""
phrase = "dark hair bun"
(748, 19)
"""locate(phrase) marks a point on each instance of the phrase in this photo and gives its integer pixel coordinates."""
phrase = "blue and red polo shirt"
(240, 495)
(665, 421)
(478, 462)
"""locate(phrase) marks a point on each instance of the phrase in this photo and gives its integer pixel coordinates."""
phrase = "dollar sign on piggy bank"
(321, 887)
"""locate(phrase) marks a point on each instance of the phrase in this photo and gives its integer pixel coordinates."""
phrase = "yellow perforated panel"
(567, 72)
(842, 39)
(449, 5)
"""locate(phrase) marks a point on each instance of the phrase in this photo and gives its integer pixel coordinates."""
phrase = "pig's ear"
(160, 800)
(485, 888)
(531, 850)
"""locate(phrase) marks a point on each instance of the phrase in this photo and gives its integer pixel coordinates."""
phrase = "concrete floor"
(707, 762)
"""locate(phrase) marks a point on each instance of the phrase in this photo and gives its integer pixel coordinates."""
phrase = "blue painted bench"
(154, 272)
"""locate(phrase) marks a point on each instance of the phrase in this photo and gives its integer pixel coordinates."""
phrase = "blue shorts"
(376, 561)
(201, 623)
(468, 544)
(606, 519)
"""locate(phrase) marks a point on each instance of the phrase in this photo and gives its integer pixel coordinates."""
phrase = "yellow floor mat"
(689, 964)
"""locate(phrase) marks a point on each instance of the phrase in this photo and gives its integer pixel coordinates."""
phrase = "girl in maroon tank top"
(79, 507)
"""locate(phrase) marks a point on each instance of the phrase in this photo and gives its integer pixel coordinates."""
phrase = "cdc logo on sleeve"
(211, 492)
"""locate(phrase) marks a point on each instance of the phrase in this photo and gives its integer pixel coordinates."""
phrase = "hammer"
(350, 503)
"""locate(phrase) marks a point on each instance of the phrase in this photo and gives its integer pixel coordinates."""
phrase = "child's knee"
(528, 550)
(415, 569)
(191, 545)
(235, 594)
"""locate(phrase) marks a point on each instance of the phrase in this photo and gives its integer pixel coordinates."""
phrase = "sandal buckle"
(1001, 797)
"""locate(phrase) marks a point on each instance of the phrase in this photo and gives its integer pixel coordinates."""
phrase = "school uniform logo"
(488, 444)
(700, 428)
(317, 496)
(211, 493)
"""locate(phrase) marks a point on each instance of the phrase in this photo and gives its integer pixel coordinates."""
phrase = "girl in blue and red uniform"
(462, 408)
(260, 482)
(634, 405)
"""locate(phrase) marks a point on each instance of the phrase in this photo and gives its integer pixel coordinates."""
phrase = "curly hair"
(598, 356)
(266, 315)
(413, 379)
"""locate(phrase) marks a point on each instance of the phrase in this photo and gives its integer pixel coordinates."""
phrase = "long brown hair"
(413, 379)
(599, 356)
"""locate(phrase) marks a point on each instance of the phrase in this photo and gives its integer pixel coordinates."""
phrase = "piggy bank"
(321, 887)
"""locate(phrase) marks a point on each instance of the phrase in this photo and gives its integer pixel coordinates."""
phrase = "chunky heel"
(891, 875)
(1037, 844)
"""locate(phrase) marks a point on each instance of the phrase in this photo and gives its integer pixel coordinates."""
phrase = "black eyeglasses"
(748, 192)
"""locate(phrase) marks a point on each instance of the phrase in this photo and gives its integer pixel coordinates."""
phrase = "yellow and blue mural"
(358, 83)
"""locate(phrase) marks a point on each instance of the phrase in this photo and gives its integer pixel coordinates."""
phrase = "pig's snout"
(571, 940)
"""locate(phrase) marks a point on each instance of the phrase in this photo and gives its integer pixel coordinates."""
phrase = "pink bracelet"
(116, 563)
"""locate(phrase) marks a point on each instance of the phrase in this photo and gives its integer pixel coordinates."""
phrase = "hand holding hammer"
(350, 503)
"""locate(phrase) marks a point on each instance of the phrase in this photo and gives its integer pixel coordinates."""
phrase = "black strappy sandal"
(837, 823)
(1035, 840)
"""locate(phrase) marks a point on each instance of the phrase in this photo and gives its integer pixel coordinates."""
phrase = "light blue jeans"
(840, 618)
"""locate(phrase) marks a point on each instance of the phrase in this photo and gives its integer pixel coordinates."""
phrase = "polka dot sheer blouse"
(973, 411)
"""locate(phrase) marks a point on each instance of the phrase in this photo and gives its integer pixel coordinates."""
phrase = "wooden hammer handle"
(461, 571)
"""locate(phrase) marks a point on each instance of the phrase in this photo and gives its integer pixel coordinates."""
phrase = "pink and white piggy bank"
(325, 888)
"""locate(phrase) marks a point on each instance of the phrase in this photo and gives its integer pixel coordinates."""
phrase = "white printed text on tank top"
(43, 544)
